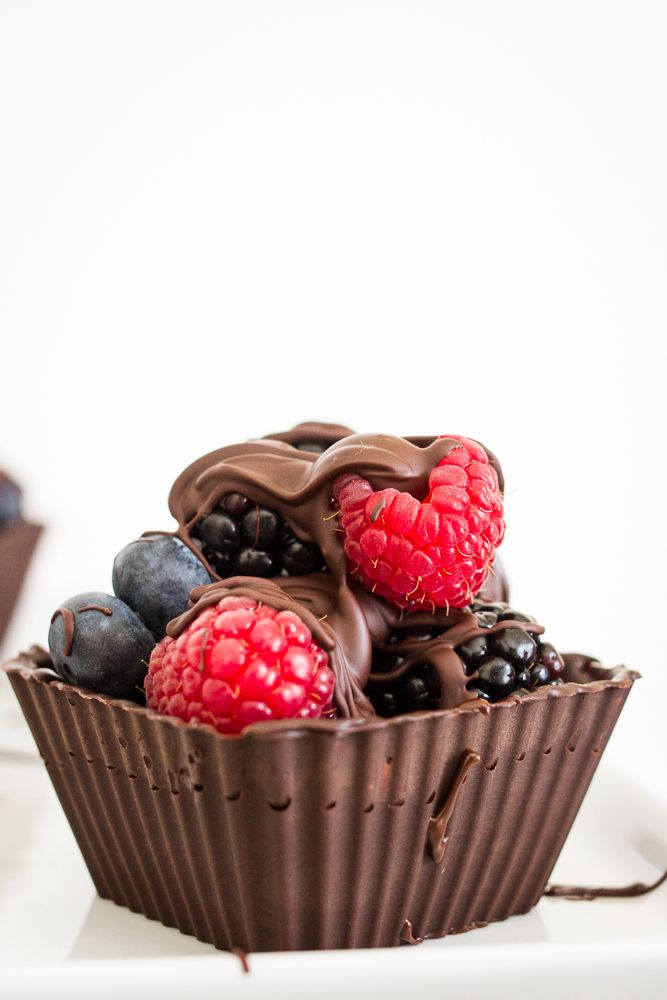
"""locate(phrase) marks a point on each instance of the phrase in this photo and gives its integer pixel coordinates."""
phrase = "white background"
(218, 219)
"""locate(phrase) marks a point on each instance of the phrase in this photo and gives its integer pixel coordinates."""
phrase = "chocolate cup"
(322, 834)
(17, 544)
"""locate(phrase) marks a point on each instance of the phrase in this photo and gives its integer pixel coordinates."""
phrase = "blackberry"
(240, 537)
(418, 689)
(510, 659)
(499, 663)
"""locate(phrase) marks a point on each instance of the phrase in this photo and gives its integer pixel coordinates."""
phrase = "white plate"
(58, 939)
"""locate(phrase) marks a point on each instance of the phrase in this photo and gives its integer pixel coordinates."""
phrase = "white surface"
(218, 219)
(60, 940)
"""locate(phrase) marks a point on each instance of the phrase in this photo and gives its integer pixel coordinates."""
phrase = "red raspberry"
(240, 662)
(430, 554)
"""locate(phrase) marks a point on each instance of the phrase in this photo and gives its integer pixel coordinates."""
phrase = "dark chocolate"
(579, 892)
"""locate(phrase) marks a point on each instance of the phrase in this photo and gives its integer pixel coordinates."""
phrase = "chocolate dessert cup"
(323, 834)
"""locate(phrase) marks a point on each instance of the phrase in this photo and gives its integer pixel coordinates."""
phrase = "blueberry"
(110, 645)
(496, 676)
(261, 528)
(154, 576)
(10, 501)
(515, 645)
(254, 562)
(473, 652)
(299, 558)
(523, 679)
(220, 532)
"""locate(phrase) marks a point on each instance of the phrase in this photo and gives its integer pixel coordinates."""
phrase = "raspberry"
(434, 553)
(240, 662)
(507, 661)
(241, 537)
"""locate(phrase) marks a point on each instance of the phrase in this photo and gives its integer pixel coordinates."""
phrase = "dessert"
(18, 539)
(301, 721)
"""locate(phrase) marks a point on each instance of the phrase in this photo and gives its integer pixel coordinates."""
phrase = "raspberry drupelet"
(240, 662)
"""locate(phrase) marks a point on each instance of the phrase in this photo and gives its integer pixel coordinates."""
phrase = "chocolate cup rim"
(616, 677)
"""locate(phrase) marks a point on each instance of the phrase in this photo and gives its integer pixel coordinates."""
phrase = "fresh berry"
(429, 554)
(154, 576)
(237, 663)
(499, 662)
(243, 538)
(10, 501)
(97, 642)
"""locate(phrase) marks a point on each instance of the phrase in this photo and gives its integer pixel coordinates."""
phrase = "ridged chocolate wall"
(315, 835)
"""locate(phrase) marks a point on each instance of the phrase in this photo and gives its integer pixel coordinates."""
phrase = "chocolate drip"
(68, 622)
(97, 607)
(438, 825)
(243, 959)
(579, 892)
(407, 934)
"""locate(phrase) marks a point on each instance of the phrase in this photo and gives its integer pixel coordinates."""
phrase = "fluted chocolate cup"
(323, 834)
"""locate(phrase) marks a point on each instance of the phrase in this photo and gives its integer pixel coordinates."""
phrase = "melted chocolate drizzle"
(68, 622)
(580, 892)
(439, 824)
(97, 607)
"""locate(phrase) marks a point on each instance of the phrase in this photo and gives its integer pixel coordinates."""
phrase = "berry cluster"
(505, 661)
(241, 538)
(237, 663)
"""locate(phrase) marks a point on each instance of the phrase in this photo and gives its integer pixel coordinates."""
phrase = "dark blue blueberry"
(110, 645)
(10, 501)
(316, 447)
(154, 576)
